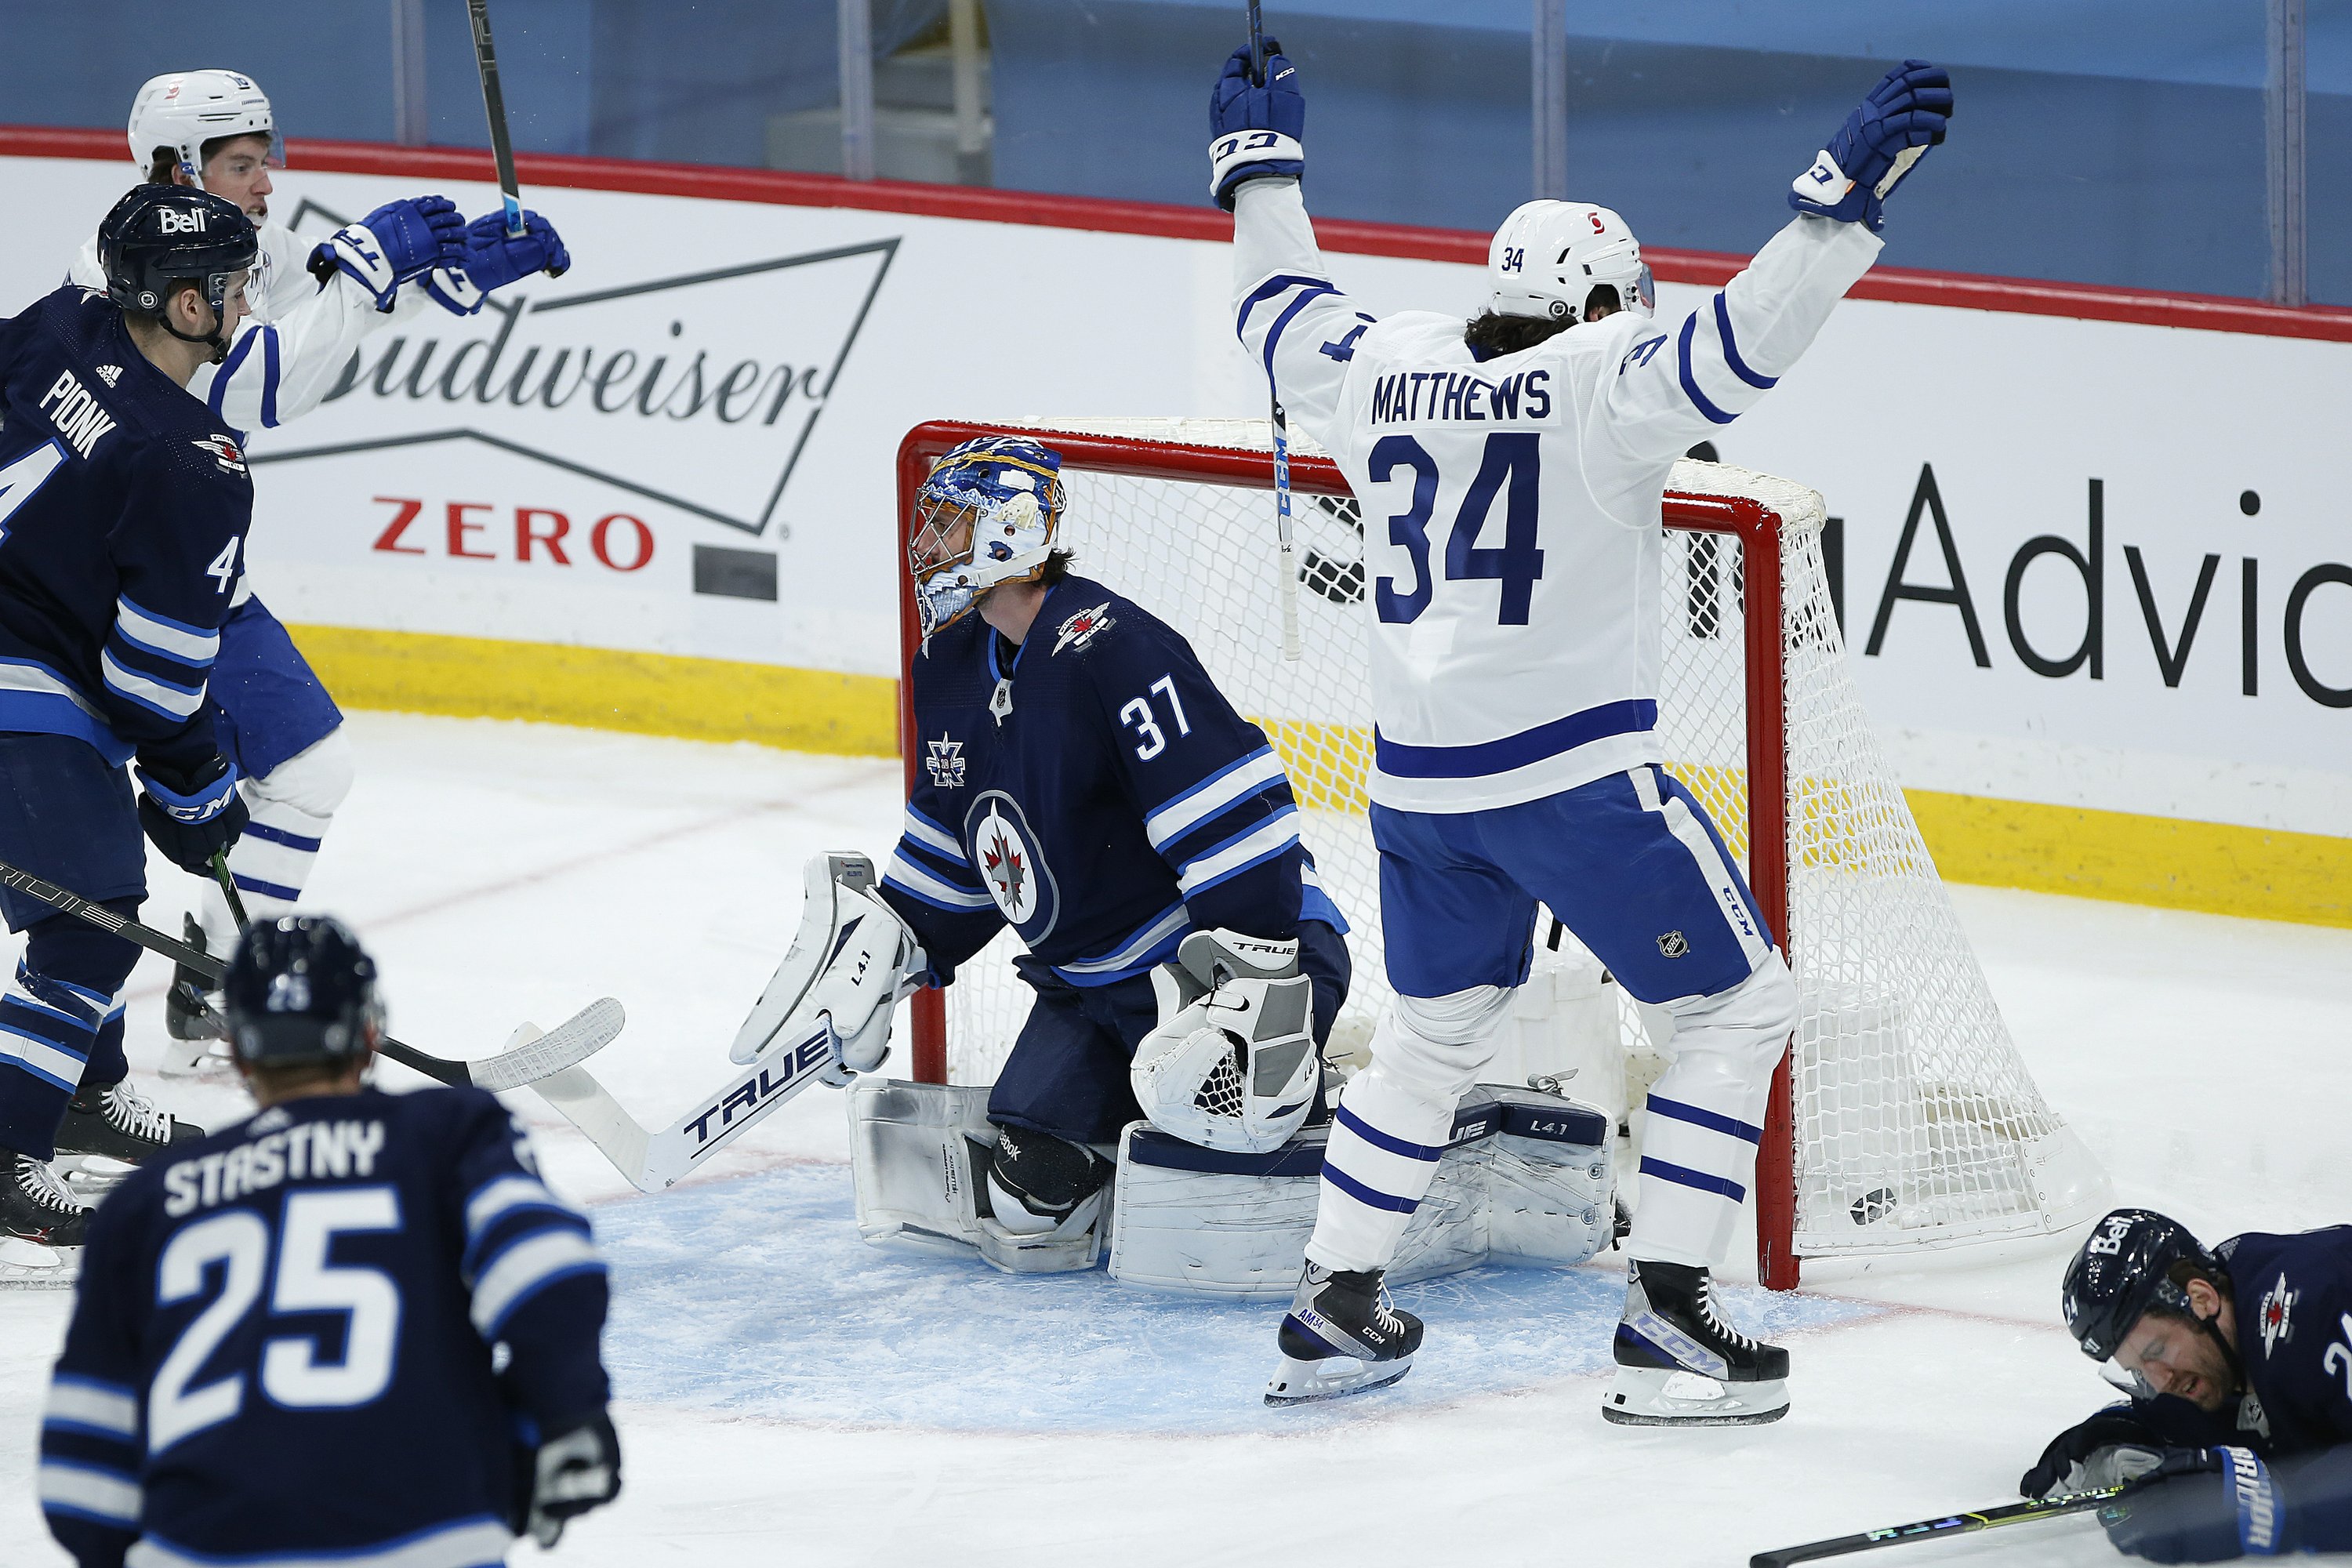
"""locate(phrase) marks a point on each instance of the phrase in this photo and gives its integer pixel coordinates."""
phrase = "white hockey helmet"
(184, 110)
(1008, 491)
(1547, 256)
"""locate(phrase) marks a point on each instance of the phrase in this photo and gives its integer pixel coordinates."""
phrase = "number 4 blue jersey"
(123, 509)
(282, 1343)
(1511, 505)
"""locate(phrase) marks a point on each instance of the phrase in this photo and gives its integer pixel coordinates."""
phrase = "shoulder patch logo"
(225, 453)
(2278, 1301)
(1082, 628)
(946, 762)
(110, 373)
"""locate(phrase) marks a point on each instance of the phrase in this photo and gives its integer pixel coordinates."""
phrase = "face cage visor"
(1003, 541)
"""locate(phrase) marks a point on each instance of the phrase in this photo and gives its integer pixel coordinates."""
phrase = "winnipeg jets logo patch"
(110, 373)
(946, 762)
(1005, 852)
(225, 453)
(2277, 1302)
(1081, 628)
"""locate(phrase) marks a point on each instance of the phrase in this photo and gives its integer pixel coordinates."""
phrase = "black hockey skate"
(117, 1122)
(35, 1207)
(1341, 1336)
(1679, 1363)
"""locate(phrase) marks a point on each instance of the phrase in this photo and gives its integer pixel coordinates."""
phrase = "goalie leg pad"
(1037, 1182)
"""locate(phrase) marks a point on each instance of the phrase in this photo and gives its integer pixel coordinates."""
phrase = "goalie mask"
(985, 517)
(1232, 1064)
(1547, 255)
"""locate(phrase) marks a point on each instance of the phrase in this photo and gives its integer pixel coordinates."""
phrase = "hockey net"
(1905, 1117)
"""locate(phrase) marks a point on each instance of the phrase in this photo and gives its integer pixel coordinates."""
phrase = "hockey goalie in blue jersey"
(355, 1327)
(1084, 782)
(2237, 1440)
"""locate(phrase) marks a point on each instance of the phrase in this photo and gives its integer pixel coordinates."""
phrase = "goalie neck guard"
(184, 110)
(985, 517)
(1548, 256)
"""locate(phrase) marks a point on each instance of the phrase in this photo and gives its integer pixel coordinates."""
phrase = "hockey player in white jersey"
(312, 303)
(1519, 466)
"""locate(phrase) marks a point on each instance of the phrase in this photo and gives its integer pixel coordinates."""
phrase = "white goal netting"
(1917, 1123)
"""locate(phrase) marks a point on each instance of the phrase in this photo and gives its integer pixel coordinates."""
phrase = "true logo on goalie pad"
(785, 1071)
(1004, 852)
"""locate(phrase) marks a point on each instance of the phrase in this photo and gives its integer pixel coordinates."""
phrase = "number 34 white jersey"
(1512, 540)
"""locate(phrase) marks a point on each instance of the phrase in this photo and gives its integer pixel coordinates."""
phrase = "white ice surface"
(789, 1396)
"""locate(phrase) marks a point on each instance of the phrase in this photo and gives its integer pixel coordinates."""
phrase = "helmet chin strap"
(2212, 1327)
(212, 340)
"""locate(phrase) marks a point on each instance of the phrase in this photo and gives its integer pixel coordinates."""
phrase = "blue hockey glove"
(1254, 131)
(494, 258)
(2200, 1505)
(190, 815)
(1904, 116)
(398, 241)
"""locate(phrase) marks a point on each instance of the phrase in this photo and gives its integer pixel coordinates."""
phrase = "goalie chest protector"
(1093, 789)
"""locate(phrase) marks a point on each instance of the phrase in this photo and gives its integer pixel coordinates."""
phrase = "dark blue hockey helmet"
(160, 238)
(300, 989)
(2127, 1265)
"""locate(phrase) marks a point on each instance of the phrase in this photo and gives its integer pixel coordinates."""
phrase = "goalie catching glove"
(1232, 1064)
(851, 961)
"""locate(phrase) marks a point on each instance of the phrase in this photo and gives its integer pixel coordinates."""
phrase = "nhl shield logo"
(1004, 852)
(1672, 944)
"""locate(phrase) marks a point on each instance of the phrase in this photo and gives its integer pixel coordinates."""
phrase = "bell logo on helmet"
(175, 220)
(2111, 1238)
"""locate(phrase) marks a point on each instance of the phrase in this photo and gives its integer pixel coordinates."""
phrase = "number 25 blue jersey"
(283, 1338)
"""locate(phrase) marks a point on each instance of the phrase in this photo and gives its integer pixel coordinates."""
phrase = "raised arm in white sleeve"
(284, 358)
(1679, 383)
(1296, 324)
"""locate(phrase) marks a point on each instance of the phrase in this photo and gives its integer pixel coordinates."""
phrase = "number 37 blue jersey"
(283, 1341)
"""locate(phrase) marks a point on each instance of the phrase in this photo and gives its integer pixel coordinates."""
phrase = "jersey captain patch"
(2278, 1301)
(1004, 852)
(1082, 628)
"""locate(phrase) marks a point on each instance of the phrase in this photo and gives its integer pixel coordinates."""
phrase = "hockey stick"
(227, 881)
(1950, 1524)
(651, 1160)
(587, 1033)
(494, 102)
(1286, 547)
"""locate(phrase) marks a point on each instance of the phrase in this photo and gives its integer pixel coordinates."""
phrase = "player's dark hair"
(163, 164)
(1491, 334)
(1056, 567)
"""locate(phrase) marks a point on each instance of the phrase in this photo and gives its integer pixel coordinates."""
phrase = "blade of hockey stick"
(651, 1161)
(494, 103)
(204, 964)
(1950, 1524)
(566, 1046)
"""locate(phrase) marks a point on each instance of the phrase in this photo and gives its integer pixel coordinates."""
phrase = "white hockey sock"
(1385, 1143)
(1394, 1119)
(293, 805)
(1706, 1118)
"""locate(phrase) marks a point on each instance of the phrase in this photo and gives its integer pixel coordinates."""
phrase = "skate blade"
(29, 1266)
(1307, 1382)
(90, 1176)
(1658, 1396)
(196, 1059)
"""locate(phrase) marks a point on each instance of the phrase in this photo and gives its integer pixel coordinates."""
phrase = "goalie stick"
(651, 1160)
(1950, 1524)
(574, 1041)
